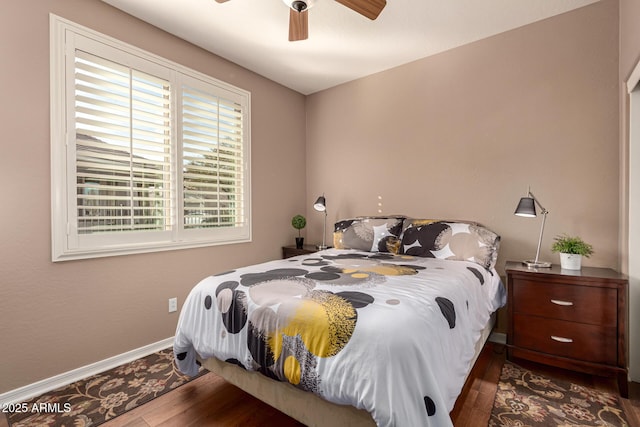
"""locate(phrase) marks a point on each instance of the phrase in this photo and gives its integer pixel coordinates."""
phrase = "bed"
(381, 329)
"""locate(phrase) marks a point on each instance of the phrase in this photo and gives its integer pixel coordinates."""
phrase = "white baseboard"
(498, 337)
(29, 391)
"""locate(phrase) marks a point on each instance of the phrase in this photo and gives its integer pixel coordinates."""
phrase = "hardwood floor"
(210, 401)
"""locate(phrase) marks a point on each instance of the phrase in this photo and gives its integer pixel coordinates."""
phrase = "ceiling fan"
(299, 18)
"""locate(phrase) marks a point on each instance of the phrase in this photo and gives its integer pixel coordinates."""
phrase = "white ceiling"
(342, 44)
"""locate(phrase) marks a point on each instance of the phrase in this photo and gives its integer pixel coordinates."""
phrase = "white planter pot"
(570, 261)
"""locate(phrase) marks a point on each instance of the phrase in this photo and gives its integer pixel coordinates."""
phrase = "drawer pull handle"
(559, 302)
(561, 339)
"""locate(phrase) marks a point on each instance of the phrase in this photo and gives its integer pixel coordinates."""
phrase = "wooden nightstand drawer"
(593, 305)
(581, 341)
(569, 319)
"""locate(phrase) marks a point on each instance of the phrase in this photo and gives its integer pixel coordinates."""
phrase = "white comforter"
(393, 335)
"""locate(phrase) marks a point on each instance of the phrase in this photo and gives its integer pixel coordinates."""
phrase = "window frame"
(66, 242)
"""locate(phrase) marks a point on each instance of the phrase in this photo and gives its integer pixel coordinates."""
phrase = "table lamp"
(321, 206)
(527, 208)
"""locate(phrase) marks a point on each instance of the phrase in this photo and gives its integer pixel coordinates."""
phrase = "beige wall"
(58, 317)
(463, 133)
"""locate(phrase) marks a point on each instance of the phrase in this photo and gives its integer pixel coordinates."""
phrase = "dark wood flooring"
(210, 401)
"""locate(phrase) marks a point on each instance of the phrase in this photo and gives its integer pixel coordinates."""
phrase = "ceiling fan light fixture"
(299, 13)
(299, 5)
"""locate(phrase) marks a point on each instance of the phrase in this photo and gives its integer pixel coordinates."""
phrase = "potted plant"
(571, 250)
(299, 222)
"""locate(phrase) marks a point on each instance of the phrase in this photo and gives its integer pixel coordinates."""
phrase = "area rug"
(102, 397)
(525, 398)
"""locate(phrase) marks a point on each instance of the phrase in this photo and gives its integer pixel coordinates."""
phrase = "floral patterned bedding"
(391, 334)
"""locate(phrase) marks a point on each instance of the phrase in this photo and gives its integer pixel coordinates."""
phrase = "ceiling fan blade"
(298, 25)
(369, 8)
(222, 1)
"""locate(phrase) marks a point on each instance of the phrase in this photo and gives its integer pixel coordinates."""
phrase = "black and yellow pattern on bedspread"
(292, 321)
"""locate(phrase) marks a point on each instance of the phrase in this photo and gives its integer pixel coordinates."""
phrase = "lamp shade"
(526, 207)
(320, 204)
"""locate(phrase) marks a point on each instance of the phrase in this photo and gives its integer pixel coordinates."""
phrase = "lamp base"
(322, 247)
(537, 264)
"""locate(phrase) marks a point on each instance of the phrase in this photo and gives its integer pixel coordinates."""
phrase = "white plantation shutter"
(123, 148)
(213, 160)
(147, 155)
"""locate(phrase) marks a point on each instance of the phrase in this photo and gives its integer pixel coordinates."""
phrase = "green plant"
(571, 245)
(298, 222)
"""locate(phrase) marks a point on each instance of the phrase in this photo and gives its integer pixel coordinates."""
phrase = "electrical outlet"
(173, 305)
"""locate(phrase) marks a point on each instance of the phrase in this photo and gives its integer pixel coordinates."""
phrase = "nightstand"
(290, 251)
(570, 319)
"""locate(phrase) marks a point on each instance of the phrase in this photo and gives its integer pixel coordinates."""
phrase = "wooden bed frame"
(303, 406)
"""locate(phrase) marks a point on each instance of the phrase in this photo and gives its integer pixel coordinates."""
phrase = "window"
(146, 155)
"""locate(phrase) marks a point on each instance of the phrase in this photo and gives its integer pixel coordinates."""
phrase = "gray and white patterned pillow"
(455, 240)
(371, 234)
